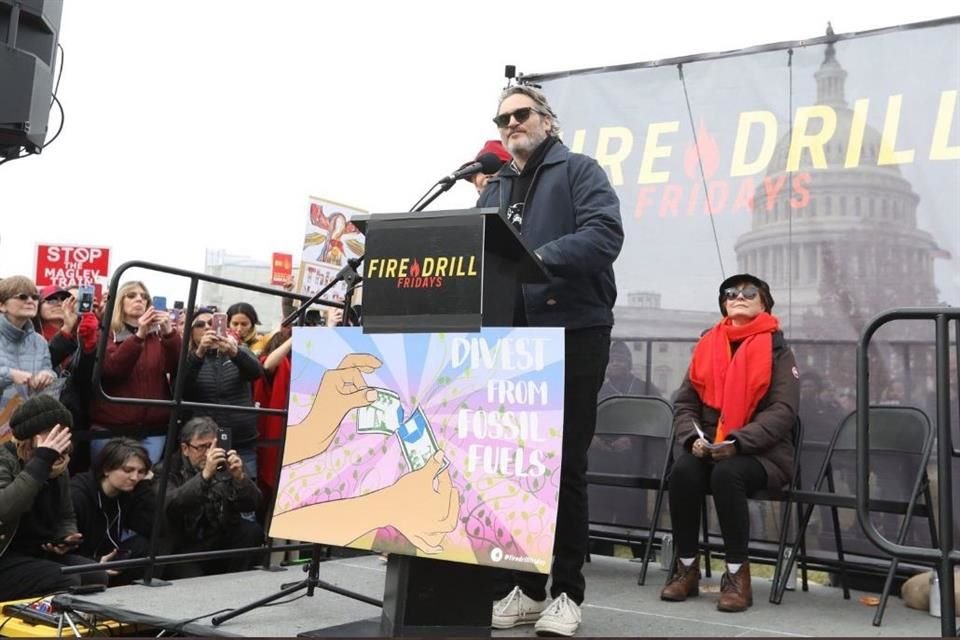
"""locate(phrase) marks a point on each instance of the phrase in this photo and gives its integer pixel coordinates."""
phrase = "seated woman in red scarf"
(733, 418)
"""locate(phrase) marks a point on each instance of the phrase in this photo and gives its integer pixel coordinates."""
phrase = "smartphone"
(122, 554)
(225, 439)
(219, 324)
(63, 542)
(160, 303)
(85, 303)
(178, 305)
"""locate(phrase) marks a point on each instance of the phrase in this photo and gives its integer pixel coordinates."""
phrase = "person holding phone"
(114, 504)
(221, 370)
(141, 358)
(208, 495)
(38, 529)
(733, 417)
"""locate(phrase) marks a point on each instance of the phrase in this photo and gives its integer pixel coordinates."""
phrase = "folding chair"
(631, 450)
(901, 439)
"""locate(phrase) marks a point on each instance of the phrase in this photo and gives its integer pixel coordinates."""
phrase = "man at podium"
(568, 213)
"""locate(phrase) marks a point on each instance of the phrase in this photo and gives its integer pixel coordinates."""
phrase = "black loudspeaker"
(28, 48)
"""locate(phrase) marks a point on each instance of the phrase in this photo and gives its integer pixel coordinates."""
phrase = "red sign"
(64, 264)
(282, 268)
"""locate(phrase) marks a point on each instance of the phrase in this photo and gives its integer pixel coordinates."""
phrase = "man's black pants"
(587, 352)
(27, 576)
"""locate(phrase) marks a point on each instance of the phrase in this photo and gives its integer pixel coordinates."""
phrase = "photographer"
(207, 494)
(38, 531)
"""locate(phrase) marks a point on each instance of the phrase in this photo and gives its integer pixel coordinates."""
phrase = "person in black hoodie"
(114, 504)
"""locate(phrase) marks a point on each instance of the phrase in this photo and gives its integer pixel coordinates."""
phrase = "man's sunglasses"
(521, 115)
(23, 297)
(749, 293)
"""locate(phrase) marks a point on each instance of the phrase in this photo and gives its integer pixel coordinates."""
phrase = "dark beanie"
(762, 286)
(38, 414)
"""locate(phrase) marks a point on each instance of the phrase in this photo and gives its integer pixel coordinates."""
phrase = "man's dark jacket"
(571, 219)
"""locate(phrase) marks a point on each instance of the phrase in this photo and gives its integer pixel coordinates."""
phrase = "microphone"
(485, 163)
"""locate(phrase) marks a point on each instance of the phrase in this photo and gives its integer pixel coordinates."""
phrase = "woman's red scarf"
(733, 384)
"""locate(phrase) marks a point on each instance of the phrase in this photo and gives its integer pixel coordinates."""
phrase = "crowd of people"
(78, 477)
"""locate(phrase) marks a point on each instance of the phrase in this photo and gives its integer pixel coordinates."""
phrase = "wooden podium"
(436, 271)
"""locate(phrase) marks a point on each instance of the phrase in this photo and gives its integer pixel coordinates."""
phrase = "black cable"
(273, 604)
(56, 87)
(703, 176)
(16, 158)
(56, 100)
(60, 128)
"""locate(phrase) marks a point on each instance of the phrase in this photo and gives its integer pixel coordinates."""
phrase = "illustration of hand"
(424, 505)
(341, 390)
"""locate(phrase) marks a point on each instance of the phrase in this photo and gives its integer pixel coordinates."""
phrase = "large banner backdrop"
(830, 168)
(447, 445)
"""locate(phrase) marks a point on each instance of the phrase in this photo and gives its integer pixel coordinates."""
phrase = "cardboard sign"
(64, 265)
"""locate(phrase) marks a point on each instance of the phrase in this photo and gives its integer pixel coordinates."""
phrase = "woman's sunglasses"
(749, 293)
(23, 297)
(521, 115)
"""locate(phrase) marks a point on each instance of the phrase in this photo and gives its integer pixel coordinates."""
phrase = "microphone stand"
(348, 274)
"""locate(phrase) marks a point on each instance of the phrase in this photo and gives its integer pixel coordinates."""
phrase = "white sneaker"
(561, 618)
(516, 608)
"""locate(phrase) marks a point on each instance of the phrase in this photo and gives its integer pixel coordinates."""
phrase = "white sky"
(208, 123)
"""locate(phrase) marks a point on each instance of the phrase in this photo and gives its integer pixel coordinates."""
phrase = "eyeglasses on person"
(200, 448)
(749, 293)
(23, 297)
(521, 115)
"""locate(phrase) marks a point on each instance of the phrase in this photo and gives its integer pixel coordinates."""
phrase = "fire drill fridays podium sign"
(444, 445)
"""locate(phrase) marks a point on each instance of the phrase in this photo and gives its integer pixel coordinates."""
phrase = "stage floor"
(616, 606)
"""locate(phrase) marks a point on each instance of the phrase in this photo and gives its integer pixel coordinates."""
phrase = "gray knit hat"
(38, 414)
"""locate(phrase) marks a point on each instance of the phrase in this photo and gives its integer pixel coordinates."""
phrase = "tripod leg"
(303, 584)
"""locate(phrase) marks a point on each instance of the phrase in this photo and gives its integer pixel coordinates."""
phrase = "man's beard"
(528, 146)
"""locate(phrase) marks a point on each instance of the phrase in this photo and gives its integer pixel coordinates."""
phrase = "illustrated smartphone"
(85, 303)
(225, 439)
(219, 324)
(160, 303)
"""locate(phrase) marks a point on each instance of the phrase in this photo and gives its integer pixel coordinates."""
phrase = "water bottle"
(934, 594)
(666, 552)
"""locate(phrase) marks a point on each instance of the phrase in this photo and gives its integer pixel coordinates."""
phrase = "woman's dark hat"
(739, 278)
(38, 414)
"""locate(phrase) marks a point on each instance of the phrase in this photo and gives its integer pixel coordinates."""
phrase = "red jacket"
(135, 368)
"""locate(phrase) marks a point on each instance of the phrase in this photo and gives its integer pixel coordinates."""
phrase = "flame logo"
(709, 155)
(415, 269)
